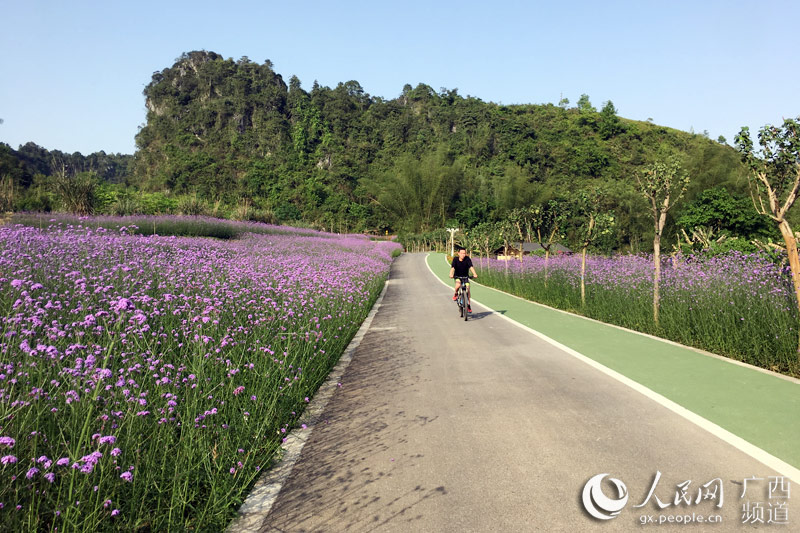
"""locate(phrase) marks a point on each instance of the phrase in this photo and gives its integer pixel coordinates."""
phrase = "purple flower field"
(186, 226)
(738, 305)
(145, 381)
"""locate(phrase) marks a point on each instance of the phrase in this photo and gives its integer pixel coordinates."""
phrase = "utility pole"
(452, 245)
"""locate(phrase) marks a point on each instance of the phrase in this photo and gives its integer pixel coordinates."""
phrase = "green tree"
(473, 208)
(585, 105)
(662, 184)
(487, 238)
(417, 193)
(11, 178)
(775, 180)
(547, 221)
(513, 187)
(609, 124)
(591, 219)
(518, 218)
(505, 234)
(718, 209)
(77, 192)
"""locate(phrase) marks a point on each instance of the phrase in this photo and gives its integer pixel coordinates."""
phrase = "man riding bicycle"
(461, 267)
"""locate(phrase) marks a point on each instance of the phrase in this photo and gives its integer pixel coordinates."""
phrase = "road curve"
(442, 425)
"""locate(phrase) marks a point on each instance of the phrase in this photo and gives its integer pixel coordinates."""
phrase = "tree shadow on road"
(345, 479)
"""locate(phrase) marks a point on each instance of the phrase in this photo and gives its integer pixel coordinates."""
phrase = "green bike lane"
(761, 408)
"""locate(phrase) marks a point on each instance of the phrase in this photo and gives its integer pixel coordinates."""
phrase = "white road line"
(659, 339)
(780, 466)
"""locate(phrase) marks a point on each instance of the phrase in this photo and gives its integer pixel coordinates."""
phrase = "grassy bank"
(738, 305)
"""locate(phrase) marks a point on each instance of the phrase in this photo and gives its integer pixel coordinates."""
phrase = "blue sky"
(72, 73)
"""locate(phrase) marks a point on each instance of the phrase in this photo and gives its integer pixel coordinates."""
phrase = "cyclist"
(461, 267)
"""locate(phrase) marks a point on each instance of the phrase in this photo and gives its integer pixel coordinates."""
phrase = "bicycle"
(462, 298)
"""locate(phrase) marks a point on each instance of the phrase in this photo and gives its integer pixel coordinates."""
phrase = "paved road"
(760, 407)
(442, 425)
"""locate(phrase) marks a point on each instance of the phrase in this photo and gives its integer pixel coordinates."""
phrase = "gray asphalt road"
(442, 425)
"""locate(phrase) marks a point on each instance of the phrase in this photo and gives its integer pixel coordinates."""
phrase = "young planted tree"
(547, 221)
(505, 233)
(468, 241)
(487, 238)
(439, 238)
(662, 184)
(591, 221)
(519, 218)
(775, 180)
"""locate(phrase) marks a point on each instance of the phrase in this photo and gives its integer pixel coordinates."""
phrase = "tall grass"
(181, 226)
(738, 305)
(146, 381)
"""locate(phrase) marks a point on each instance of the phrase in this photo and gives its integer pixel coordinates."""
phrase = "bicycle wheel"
(465, 304)
(460, 304)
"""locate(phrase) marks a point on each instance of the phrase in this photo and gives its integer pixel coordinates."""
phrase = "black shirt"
(462, 267)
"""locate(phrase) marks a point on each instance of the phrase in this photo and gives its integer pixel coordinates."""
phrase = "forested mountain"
(233, 130)
(25, 173)
(234, 133)
(31, 159)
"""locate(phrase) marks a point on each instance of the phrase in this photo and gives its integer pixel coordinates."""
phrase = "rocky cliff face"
(203, 92)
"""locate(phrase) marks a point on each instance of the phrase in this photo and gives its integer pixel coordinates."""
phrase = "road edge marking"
(775, 463)
(259, 502)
